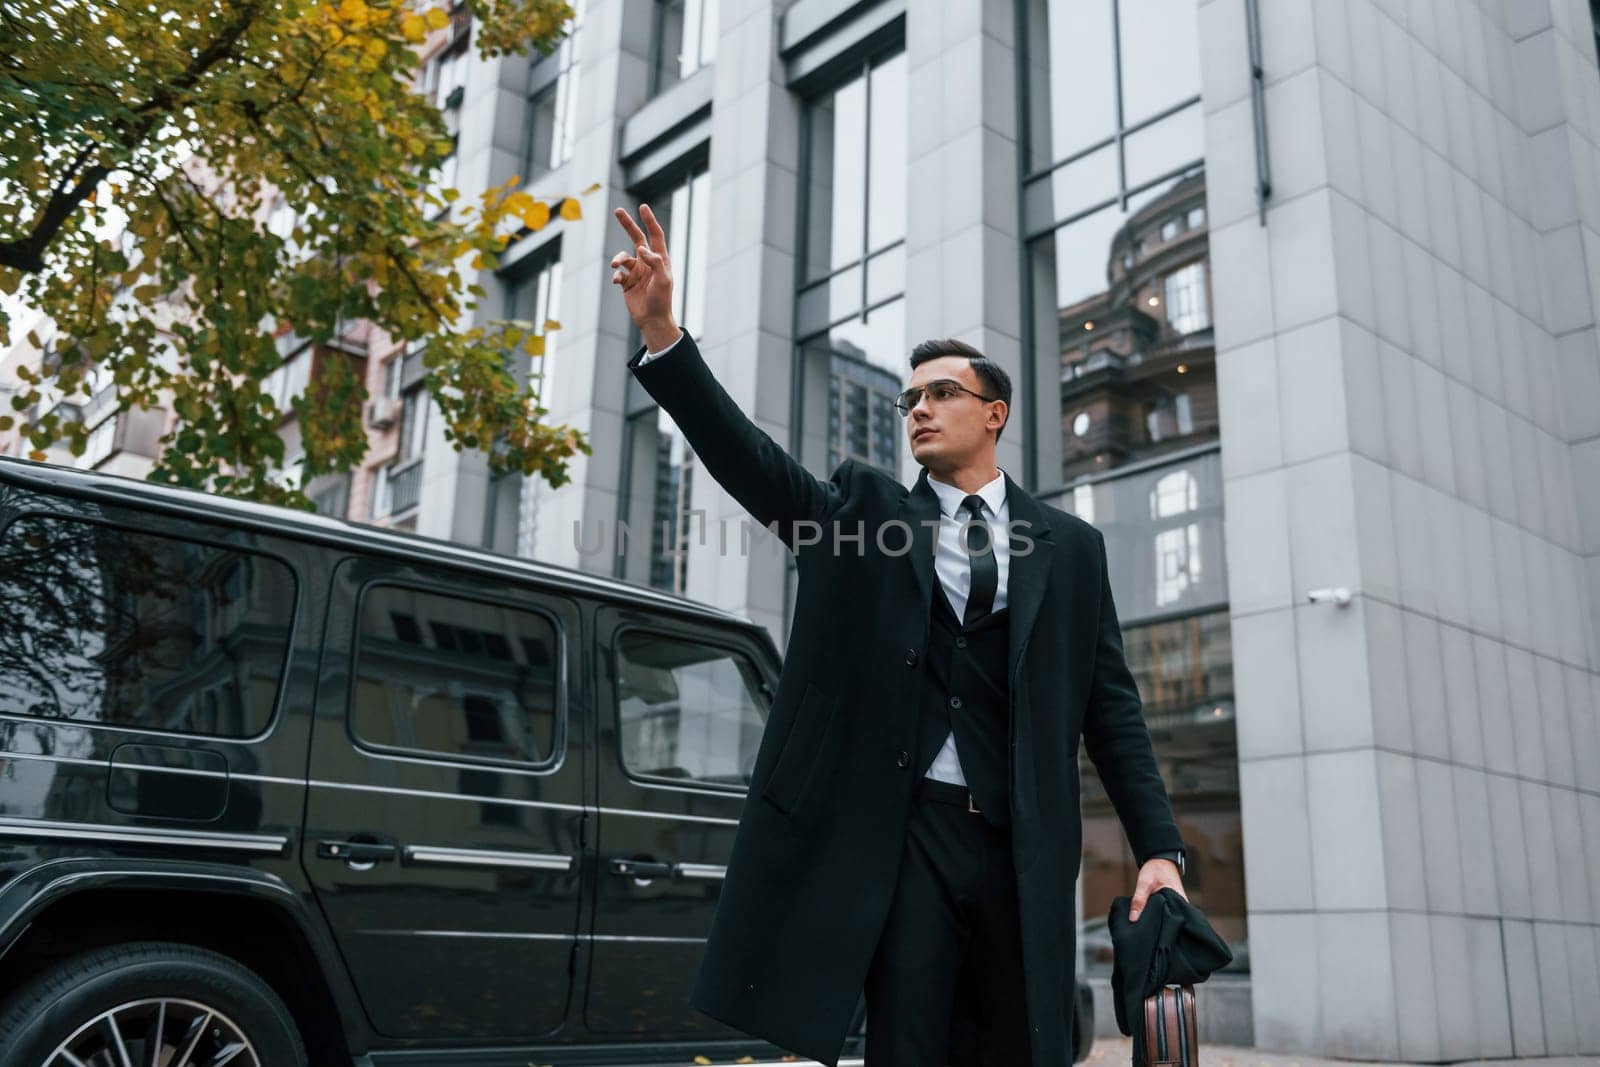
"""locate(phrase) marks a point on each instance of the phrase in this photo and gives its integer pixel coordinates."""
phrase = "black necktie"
(980, 556)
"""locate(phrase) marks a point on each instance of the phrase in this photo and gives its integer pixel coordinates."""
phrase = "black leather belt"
(946, 793)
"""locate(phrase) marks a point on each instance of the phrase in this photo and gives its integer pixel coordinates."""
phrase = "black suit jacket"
(817, 851)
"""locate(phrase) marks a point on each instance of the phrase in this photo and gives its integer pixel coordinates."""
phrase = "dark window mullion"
(866, 177)
(1122, 133)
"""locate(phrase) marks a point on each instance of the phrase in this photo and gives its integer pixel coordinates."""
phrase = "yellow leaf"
(353, 11)
(477, 262)
(39, 457)
(534, 343)
(551, 324)
(437, 19)
(518, 203)
(593, 188)
(570, 210)
(377, 48)
(414, 28)
(537, 215)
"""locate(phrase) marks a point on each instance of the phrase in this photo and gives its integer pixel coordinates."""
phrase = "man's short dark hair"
(992, 377)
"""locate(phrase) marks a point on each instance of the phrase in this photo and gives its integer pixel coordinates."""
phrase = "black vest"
(966, 677)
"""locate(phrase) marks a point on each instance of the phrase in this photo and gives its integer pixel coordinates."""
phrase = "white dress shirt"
(648, 355)
(951, 564)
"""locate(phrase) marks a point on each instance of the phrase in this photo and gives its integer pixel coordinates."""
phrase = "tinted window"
(126, 628)
(686, 710)
(455, 677)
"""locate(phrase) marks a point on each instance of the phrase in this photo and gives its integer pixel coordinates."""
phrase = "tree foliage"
(145, 143)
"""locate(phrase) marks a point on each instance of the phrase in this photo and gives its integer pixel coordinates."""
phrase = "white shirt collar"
(950, 496)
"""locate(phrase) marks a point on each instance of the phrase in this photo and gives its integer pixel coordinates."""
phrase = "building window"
(658, 464)
(1188, 305)
(850, 308)
(543, 152)
(685, 40)
(1594, 17)
(1115, 196)
(397, 486)
(552, 103)
(101, 441)
(333, 500)
(391, 375)
(1184, 672)
(862, 422)
(532, 296)
(1165, 558)
(445, 78)
(414, 405)
(288, 379)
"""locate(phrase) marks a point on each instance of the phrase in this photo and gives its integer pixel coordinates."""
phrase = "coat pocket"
(792, 774)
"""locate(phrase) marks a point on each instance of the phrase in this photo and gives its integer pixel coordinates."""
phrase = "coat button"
(955, 702)
(911, 657)
(902, 758)
(961, 642)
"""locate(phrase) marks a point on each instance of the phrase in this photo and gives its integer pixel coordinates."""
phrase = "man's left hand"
(1154, 875)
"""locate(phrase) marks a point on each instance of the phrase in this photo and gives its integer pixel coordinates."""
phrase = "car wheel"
(148, 1002)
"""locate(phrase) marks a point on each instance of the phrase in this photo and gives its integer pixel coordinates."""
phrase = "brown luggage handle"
(1171, 1032)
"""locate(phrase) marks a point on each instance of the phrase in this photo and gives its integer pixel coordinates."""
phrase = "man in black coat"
(913, 805)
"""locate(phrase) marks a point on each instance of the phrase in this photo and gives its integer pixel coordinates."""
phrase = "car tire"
(136, 991)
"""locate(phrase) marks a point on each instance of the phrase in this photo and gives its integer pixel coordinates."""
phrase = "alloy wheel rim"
(157, 1032)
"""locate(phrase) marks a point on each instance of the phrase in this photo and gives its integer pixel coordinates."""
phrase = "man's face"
(951, 431)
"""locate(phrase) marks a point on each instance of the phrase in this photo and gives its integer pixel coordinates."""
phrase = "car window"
(102, 624)
(687, 710)
(455, 677)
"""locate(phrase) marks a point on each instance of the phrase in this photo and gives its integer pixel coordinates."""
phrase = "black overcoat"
(817, 849)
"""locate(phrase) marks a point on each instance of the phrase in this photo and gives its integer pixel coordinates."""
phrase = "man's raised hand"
(645, 275)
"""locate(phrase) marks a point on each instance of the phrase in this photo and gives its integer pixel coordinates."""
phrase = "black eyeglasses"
(941, 390)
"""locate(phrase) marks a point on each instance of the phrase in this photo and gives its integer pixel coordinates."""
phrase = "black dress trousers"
(953, 923)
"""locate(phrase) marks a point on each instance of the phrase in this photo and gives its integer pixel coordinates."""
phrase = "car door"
(445, 804)
(680, 711)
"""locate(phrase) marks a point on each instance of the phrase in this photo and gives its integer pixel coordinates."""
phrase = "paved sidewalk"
(1114, 1052)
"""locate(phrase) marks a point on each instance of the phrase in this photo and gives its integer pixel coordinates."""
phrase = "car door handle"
(640, 868)
(363, 853)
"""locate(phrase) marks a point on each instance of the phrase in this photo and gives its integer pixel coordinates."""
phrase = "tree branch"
(27, 253)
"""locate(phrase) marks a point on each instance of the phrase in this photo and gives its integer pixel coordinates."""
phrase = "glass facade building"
(1300, 304)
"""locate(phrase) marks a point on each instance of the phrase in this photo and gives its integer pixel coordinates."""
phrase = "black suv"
(279, 789)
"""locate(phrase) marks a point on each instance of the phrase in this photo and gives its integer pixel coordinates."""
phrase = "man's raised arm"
(767, 482)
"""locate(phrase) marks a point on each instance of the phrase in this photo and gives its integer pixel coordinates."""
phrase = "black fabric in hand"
(1170, 944)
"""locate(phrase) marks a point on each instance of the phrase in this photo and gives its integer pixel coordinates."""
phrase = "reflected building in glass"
(1293, 305)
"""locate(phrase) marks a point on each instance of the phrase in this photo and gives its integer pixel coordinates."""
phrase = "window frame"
(721, 642)
(863, 70)
(559, 735)
(546, 75)
(641, 413)
(292, 634)
(656, 55)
